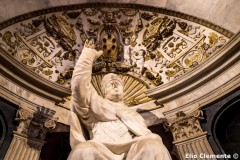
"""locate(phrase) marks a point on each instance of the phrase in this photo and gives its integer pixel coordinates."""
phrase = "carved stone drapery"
(189, 138)
(28, 139)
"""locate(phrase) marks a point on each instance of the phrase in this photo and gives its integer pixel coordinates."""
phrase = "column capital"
(28, 139)
(186, 126)
(34, 124)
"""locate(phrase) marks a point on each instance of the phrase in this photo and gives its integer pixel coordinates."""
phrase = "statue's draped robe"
(111, 135)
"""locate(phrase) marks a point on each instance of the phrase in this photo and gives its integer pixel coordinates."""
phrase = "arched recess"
(7, 125)
(221, 122)
(226, 127)
(3, 128)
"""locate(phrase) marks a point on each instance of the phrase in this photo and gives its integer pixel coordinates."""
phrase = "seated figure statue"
(116, 132)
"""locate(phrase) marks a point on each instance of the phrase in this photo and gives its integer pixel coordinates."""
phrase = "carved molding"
(116, 5)
(188, 135)
(30, 80)
(201, 101)
(20, 96)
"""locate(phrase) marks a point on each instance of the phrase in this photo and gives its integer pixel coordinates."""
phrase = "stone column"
(189, 138)
(29, 138)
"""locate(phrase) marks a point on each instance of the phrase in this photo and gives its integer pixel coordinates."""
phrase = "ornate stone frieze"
(186, 126)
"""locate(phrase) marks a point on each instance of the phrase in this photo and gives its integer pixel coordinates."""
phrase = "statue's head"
(112, 87)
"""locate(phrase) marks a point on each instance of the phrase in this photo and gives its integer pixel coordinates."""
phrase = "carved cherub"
(140, 60)
(127, 52)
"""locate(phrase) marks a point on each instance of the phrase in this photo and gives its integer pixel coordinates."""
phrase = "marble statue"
(116, 132)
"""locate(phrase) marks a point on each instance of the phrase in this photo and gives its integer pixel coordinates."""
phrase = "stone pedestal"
(189, 138)
(29, 138)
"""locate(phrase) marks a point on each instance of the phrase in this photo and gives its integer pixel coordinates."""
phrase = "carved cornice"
(116, 5)
(230, 86)
(223, 59)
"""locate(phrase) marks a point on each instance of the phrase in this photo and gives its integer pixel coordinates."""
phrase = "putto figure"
(127, 52)
(116, 132)
(140, 60)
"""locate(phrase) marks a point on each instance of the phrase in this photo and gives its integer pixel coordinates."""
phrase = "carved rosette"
(186, 126)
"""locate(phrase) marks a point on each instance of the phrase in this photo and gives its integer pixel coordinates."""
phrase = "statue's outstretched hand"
(91, 44)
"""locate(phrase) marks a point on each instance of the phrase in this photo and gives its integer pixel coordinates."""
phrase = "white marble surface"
(206, 94)
(224, 13)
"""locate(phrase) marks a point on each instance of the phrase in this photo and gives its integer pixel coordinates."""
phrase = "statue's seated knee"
(149, 144)
(83, 149)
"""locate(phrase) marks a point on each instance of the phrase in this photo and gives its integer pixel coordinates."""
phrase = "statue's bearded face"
(114, 91)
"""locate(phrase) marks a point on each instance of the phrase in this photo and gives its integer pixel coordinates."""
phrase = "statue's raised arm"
(86, 102)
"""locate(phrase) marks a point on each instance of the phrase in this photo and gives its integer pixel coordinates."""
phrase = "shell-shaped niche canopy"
(133, 88)
(139, 43)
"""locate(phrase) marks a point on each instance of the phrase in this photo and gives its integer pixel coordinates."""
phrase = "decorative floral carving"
(50, 124)
(147, 16)
(61, 30)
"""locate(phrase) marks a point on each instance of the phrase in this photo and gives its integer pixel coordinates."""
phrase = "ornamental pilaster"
(189, 138)
(28, 139)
